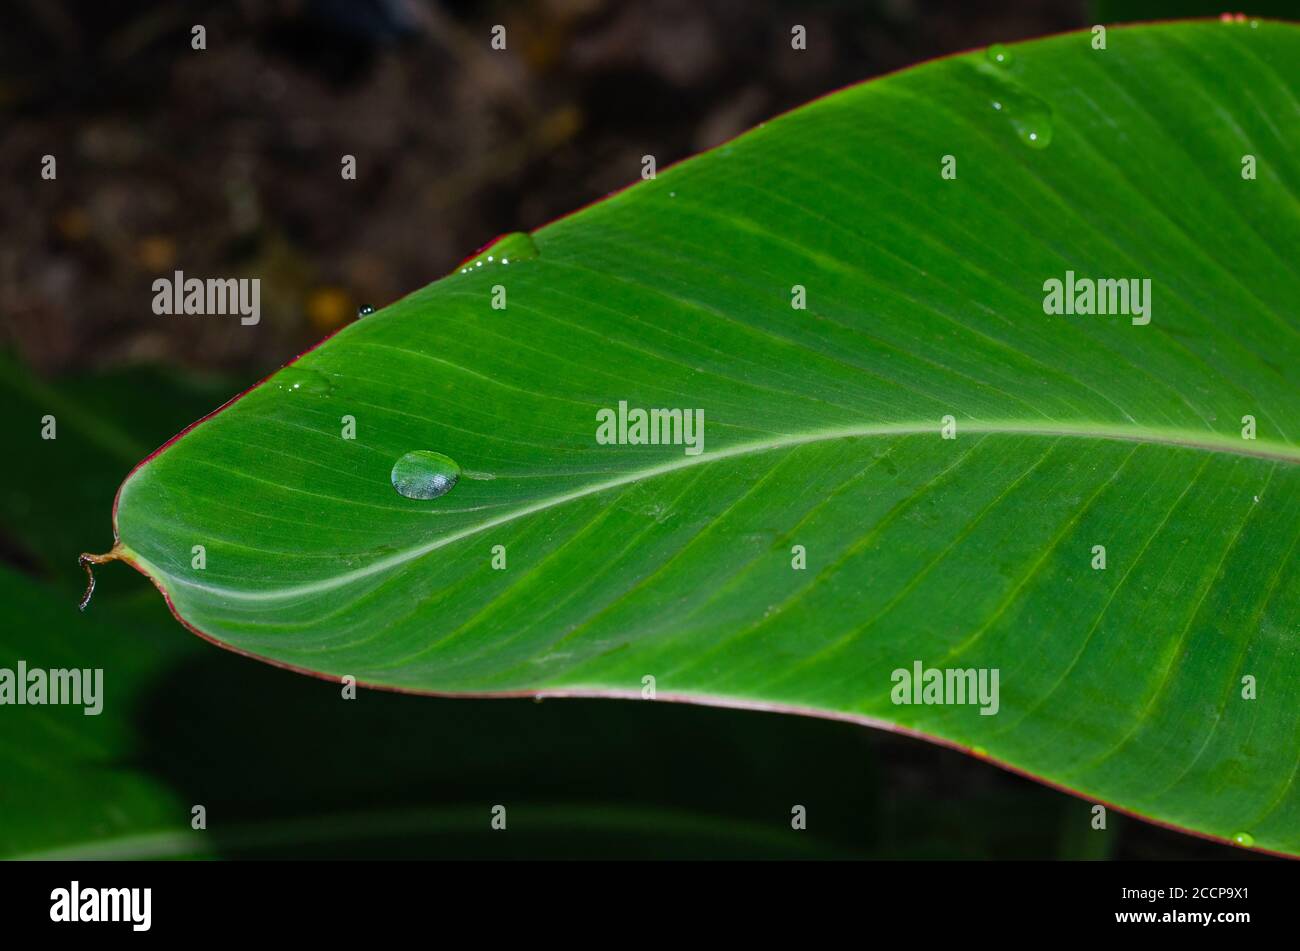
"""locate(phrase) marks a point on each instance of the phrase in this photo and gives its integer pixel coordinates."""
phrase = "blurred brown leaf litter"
(226, 161)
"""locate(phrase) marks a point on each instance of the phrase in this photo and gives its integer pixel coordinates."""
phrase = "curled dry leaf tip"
(85, 559)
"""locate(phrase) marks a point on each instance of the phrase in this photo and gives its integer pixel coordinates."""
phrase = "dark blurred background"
(226, 162)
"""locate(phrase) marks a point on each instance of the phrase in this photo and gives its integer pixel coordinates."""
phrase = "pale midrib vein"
(1187, 439)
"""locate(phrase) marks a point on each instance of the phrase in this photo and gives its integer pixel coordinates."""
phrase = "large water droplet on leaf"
(425, 475)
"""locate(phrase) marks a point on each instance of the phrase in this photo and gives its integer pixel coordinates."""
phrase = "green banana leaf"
(385, 775)
(909, 453)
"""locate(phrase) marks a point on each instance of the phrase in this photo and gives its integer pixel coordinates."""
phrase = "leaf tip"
(85, 559)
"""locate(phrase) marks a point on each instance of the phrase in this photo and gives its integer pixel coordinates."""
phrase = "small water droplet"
(1034, 129)
(1244, 838)
(365, 310)
(299, 380)
(1030, 117)
(423, 474)
(507, 249)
